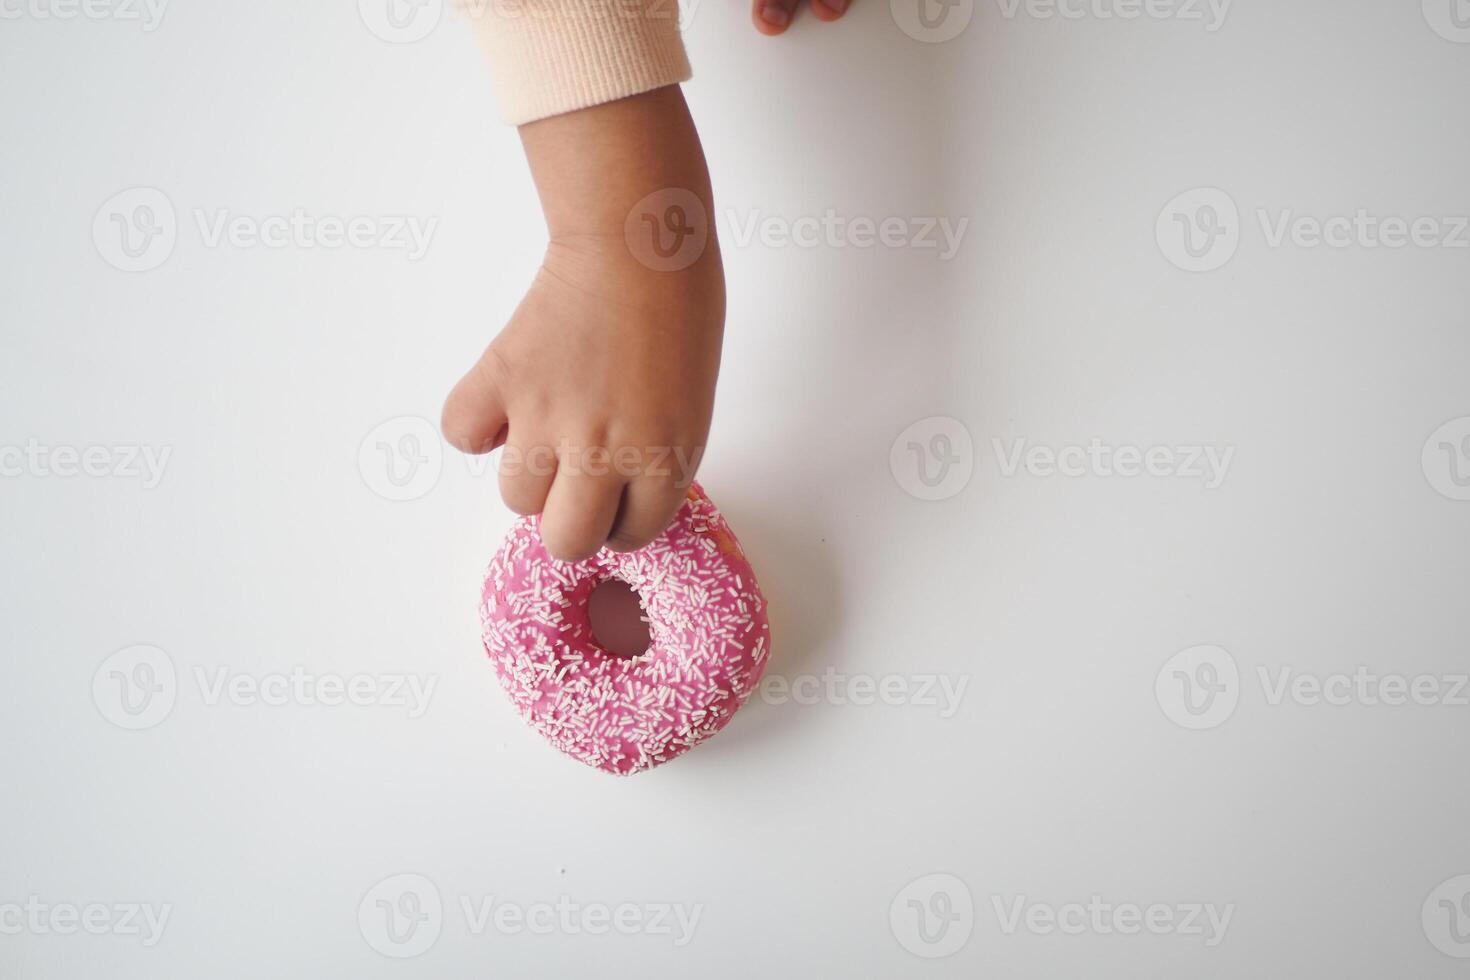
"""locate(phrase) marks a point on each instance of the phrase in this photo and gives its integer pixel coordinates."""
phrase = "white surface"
(1057, 601)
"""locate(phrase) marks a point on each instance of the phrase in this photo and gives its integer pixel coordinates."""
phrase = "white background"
(1057, 600)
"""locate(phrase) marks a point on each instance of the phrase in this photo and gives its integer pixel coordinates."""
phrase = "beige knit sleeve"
(552, 56)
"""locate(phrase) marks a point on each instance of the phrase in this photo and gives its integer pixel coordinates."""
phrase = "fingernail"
(836, 6)
(775, 15)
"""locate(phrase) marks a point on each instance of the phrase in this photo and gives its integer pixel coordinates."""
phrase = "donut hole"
(617, 618)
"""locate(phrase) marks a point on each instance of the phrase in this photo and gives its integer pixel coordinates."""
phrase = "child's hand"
(772, 17)
(605, 377)
(602, 384)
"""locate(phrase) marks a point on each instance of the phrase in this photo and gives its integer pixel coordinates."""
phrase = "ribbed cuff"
(553, 56)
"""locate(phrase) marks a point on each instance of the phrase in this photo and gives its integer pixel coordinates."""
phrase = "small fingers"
(829, 10)
(649, 506)
(527, 469)
(579, 513)
(772, 17)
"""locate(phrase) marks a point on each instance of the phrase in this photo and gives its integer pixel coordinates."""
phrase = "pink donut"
(709, 640)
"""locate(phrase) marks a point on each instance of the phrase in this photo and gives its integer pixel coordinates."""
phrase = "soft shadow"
(804, 596)
(835, 350)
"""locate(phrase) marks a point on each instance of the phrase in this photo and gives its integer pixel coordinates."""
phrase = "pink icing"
(708, 630)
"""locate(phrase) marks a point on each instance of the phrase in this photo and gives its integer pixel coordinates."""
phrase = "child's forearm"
(593, 166)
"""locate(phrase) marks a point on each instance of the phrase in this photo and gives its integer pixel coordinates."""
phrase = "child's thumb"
(474, 419)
